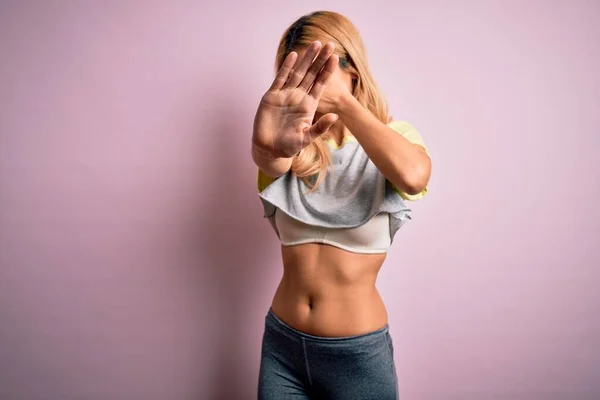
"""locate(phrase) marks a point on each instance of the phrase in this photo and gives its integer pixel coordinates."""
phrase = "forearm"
(270, 164)
(406, 165)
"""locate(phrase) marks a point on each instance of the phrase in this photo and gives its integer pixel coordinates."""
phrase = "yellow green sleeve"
(263, 180)
(412, 135)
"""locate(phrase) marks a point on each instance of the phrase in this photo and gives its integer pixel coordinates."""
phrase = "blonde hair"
(313, 160)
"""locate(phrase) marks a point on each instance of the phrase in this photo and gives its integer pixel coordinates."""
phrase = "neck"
(337, 130)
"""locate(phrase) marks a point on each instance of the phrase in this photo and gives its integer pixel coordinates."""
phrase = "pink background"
(135, 263)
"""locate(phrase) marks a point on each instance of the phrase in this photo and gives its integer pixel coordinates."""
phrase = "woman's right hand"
(284, 119)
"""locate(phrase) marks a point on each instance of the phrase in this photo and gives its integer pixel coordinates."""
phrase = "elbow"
(414, 189)
(415, 180)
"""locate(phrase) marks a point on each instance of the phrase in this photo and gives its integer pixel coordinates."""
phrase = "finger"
(302, 65)
(322, 125)
(316, 66)
(324, 76)
(284, 71)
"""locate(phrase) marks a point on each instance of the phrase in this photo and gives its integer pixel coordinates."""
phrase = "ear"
(355, 80)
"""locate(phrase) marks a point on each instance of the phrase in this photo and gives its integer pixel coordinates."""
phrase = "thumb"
(323, 124)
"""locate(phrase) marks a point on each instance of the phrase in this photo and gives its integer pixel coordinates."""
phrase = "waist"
(326, 291)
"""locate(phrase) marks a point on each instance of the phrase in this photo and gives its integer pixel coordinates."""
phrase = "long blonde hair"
(327, 26)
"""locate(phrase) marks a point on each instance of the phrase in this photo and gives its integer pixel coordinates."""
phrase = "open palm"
(284, 119)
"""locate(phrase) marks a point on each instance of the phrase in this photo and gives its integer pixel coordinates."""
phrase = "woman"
(333, 171)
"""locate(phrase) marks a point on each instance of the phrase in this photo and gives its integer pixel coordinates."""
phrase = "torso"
(328, 283)
(327, 291)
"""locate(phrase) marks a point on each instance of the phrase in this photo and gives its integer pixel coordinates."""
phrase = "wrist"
(261, 148)
(268, 151)
(346, 105)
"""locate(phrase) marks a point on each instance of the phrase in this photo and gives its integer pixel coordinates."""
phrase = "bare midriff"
(327, 291)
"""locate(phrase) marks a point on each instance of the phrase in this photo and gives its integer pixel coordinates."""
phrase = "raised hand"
(284, 119)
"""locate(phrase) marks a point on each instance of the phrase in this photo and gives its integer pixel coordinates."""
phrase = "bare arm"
(406, 165)
(271, 165)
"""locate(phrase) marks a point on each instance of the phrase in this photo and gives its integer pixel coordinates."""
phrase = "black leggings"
(299, 366)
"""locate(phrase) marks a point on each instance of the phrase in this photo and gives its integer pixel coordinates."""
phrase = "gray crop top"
(353, 192)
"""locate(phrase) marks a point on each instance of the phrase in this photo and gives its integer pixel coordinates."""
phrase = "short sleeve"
(412, 135)
(263, 180)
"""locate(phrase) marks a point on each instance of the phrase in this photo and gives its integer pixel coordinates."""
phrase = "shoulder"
(263, 180)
